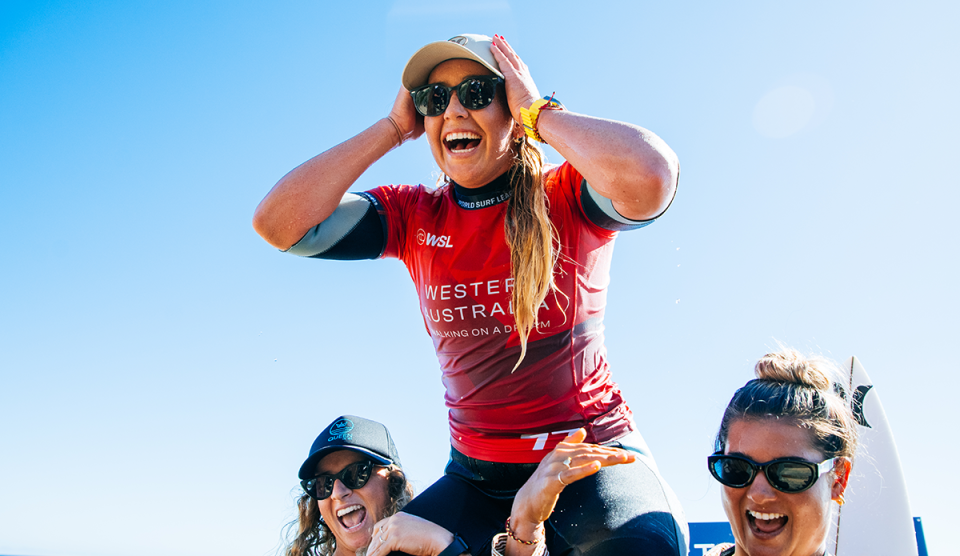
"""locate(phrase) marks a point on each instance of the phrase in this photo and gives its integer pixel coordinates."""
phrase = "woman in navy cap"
(510, 257)
(351, 479)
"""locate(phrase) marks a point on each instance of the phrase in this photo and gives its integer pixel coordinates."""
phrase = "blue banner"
(705, 535)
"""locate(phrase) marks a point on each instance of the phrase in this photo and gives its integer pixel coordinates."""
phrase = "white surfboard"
(876, 517)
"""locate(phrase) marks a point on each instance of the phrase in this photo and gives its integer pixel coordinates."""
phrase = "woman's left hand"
(570, 461)
(521, 90)
(410, 534)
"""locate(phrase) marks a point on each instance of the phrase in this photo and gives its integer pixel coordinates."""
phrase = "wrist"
(530, 115)
(524, 531)
(455, 547)
(396, 127)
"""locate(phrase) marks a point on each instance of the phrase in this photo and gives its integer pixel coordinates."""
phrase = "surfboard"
(875, 518)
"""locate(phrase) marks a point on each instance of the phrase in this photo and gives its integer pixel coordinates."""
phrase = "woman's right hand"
(311, 192)
(404, 114)
(570, 461)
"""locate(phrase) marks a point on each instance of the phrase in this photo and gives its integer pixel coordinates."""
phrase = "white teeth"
(460, 135)
(765, 517)
(344, 511)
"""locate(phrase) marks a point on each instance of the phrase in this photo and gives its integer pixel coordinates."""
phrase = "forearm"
(310, 193)
(628, 164)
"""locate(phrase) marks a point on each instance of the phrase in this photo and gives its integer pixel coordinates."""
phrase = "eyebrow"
(457, 83)
(328, 472)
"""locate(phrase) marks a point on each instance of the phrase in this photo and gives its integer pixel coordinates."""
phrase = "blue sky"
(163, 371)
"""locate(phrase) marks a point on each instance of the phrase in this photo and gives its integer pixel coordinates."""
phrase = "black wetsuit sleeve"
(354, 231)
(601, 211)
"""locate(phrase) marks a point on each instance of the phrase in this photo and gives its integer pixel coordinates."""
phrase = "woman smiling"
(784, 453)
(351, 479)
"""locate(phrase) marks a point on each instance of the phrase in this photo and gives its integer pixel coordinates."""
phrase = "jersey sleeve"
(564, 190)
(396, 206)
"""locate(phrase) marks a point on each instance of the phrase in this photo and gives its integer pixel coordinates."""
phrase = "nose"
(760, 491)
(454, 108)
(340, 490)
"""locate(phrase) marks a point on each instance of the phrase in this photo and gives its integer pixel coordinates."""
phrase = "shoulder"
(406, 190)
(561, 175)
(405, 195)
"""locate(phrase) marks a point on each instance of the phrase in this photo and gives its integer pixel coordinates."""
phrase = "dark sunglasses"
(473, 93)
(353, 476)
(789, 475)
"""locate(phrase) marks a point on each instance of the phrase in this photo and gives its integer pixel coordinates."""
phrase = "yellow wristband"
(531, 116)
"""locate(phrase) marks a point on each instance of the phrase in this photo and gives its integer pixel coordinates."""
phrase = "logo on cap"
(340, 430)
(462, 41)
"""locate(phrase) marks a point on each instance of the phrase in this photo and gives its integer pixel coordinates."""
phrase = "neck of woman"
(493, 193)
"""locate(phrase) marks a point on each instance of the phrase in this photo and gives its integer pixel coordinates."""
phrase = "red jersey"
(459, 260)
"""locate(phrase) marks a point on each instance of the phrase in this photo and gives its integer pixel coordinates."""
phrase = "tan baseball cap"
(470, 47)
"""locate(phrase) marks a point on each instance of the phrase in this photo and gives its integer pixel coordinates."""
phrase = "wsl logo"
(340, 430)
(430, 240)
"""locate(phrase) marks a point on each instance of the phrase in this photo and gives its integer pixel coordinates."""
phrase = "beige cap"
(470, 47)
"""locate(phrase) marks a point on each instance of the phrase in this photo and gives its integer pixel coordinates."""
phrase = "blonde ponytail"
(533, 241)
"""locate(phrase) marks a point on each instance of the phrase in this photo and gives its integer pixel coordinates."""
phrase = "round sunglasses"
(473, 93)
(353, 476)
(790, 475)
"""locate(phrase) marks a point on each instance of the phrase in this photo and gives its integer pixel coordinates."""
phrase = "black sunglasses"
(789, 475)
(473, 93)
(353, 476)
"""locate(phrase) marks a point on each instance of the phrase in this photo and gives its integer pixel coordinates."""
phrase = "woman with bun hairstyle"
(510, 258)
(783, 455)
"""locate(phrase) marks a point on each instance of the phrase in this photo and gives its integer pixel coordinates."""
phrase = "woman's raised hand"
(408, 121)
(410, 534)
(570, 461)
(521, 90)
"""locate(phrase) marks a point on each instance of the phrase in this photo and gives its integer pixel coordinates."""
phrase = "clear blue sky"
(163, 371)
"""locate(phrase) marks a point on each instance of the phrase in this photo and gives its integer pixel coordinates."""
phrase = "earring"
(839, 500)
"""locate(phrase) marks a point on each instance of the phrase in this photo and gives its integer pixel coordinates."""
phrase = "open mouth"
(461, 141)
(352, 517)
(765, 525)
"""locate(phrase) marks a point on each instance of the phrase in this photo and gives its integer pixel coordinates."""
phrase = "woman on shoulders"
(511, 260)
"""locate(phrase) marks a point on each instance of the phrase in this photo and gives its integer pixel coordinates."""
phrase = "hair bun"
(790, 366)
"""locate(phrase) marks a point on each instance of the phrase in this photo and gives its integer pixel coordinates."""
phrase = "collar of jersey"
(494, 193)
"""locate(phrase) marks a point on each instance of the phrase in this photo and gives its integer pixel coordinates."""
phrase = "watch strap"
(531, 116)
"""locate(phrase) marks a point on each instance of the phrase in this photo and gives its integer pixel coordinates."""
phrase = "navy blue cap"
(350, 432)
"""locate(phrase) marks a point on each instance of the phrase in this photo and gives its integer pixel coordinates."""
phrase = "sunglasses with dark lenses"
(353, 476)
(789, 475)
(473, 93)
